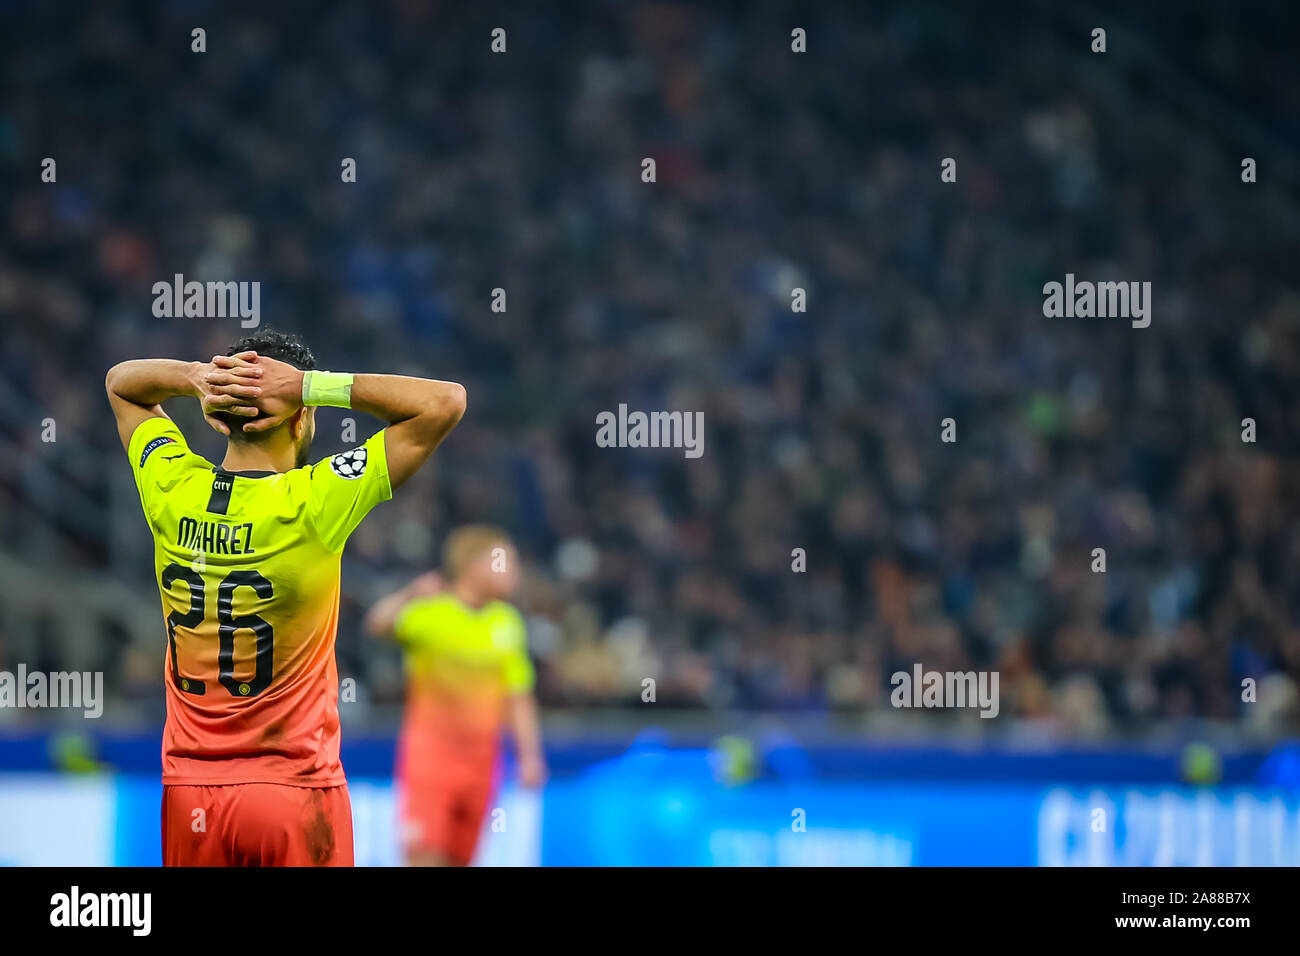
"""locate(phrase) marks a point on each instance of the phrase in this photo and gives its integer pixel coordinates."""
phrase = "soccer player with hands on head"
(247, 558)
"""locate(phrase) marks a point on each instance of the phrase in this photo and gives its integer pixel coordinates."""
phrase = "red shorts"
(256, 824)
(445, 815)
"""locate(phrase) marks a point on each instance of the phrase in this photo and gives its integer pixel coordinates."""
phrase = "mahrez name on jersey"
(215, 537)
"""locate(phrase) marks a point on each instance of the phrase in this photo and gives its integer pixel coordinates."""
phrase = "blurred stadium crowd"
(822, 429)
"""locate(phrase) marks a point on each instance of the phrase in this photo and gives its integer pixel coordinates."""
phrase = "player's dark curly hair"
(285, 346)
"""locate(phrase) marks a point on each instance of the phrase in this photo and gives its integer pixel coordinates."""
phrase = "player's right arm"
(137, 389)
(420, 412)
(381, 620)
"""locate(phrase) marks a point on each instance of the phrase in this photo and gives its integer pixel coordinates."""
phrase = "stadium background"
(775, 170)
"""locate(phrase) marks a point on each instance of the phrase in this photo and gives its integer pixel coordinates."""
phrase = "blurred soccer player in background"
(468, 673)
(247, 558)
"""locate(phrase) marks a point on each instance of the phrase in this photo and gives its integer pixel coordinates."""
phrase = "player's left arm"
(137, 389)
(526, 729)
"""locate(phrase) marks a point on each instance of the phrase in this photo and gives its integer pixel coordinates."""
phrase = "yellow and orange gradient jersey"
(462, 663)
(248, 567)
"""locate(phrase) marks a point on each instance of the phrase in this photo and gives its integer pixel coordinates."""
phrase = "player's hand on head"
(281, 393)
(226, 404)
(237, 369)
(229, 384)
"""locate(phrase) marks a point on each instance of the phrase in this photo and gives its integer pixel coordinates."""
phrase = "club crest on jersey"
(153, 446)
(349, 464)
